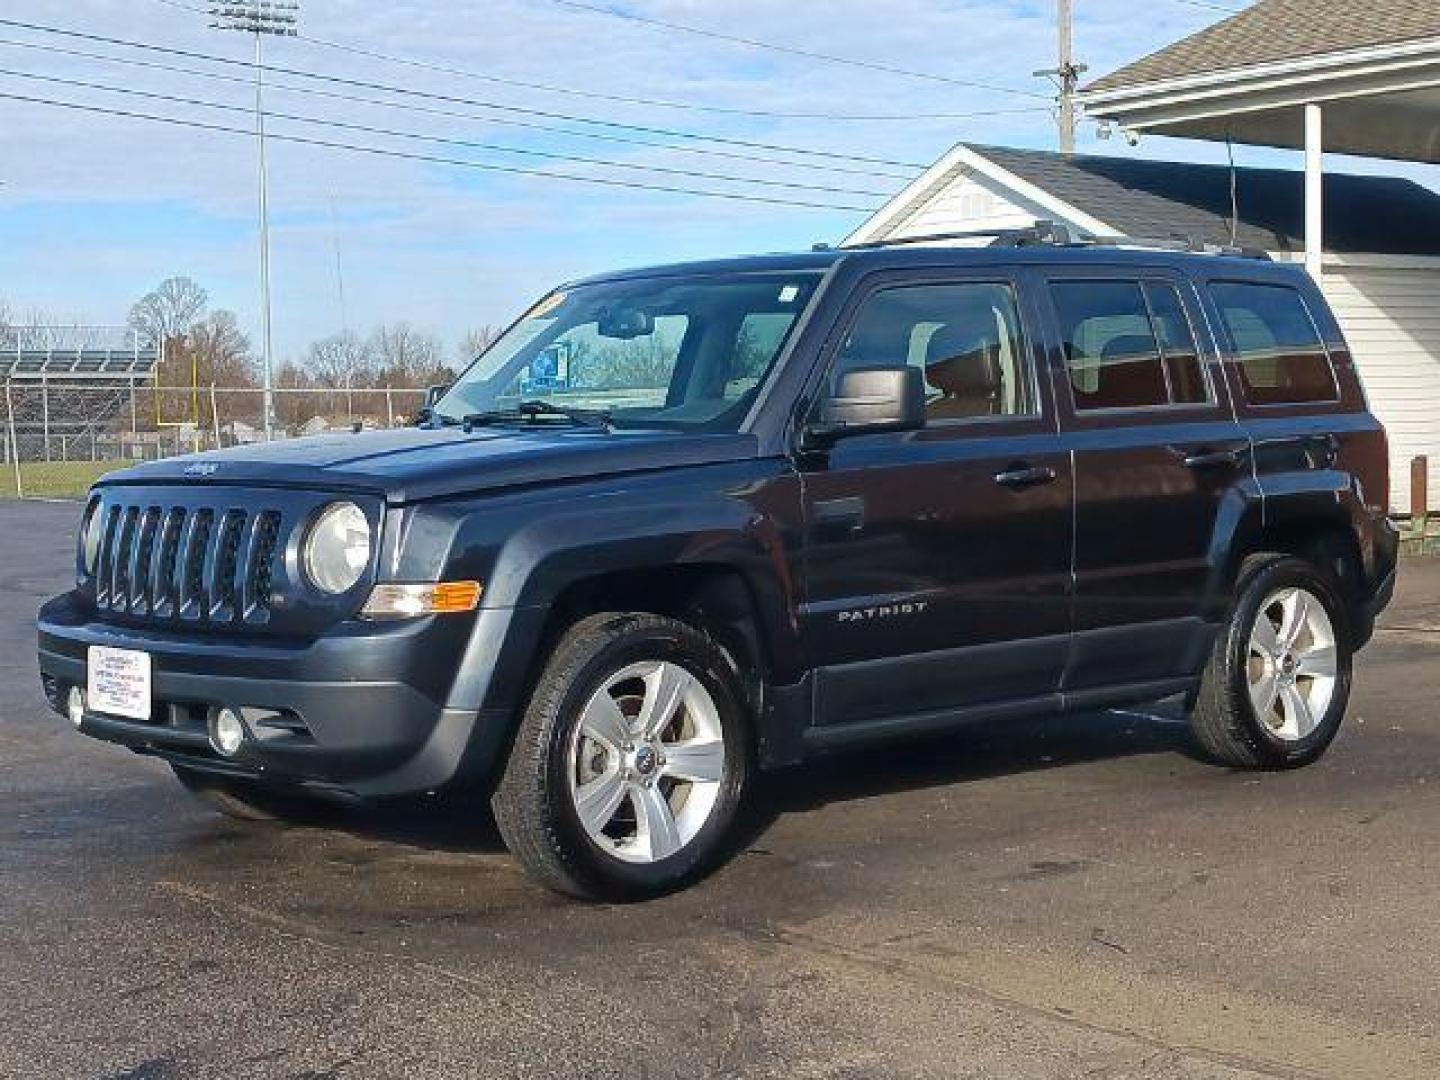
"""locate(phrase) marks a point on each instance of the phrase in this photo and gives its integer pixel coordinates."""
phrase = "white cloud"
(95, 209)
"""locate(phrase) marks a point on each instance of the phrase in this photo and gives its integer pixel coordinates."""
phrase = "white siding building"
(1381, 269)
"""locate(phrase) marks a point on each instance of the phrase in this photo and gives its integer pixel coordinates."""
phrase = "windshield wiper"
(530, 411)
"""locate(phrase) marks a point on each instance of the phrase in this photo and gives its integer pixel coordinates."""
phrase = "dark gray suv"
(684, 523)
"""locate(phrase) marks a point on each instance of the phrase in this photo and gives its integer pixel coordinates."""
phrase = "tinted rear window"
(1283, 360)
(1128, 345)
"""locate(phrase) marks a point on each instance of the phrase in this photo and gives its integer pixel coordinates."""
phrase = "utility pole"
(275, 18)
(1066, 75)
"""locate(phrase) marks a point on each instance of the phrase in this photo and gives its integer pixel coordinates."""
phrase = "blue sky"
(95, 210)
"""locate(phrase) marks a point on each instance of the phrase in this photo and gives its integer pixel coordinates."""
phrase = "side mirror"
(426, 412)
(867, 401)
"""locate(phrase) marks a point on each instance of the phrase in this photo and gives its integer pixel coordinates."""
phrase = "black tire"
(248, 801)
(533, 806)
(1224, 719)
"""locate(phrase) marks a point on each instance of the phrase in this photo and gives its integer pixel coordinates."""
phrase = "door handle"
(1207, 458)
(1324, 448)
(1024, 476)
(845, 511)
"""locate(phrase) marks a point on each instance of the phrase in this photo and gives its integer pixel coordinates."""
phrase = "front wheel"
(630, 763)
(1275, 690)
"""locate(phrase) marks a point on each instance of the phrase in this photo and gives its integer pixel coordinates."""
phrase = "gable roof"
(1374, 215)
(1273, 31)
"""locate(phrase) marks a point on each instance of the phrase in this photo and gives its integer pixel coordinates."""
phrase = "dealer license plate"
(119, 682)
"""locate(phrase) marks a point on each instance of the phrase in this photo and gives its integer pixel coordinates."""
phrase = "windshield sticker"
(789, 293)
(546, 306)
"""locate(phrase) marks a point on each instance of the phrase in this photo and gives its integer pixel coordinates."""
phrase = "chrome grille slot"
(255, 570)
(140, 559)
(221, 563)
(190, 571)
(107, 557)
(205, 565)
(120, 559)
(162, 576)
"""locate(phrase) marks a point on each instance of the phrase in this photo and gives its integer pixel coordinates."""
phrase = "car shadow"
(984, 750)
(981, 751)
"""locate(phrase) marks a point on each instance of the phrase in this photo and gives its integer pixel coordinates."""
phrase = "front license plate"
(119, 682)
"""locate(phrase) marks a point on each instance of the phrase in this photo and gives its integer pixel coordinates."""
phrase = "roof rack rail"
(1042, 232)
(1057, 235)
(1182, 243)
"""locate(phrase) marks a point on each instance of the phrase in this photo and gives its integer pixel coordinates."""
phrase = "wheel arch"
(1320, 531)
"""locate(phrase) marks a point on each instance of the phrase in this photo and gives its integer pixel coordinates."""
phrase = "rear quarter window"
(1282, 358)
(1128, 345)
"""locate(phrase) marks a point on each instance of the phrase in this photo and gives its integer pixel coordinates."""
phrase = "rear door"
(937, 562)
(1157, 452)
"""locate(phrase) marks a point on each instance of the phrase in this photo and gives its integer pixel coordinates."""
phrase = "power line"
(658, 103)
(653, 102)
(405, 106)
(1208, 6)
(453, 99)
(788, 50)
(440, 139)
(402, 155)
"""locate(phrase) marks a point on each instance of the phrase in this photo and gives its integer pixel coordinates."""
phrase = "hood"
(410, 464)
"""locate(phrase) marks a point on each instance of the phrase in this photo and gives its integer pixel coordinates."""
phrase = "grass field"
(54, 479)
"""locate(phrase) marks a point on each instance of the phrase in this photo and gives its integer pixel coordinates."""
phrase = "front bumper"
(369, 709)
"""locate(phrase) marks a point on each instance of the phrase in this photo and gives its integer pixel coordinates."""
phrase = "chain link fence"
(60, 435)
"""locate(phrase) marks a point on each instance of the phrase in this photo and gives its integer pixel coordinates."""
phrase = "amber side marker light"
(397, 601)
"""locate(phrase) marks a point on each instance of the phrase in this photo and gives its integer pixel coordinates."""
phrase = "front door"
(937, 562)
(1157, 450)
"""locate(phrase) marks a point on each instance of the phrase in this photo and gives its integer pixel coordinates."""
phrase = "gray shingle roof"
(1275, 30)
(1160, 199)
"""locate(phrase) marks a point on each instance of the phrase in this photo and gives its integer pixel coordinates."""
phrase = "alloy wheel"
(1291, 666)
(647, 761)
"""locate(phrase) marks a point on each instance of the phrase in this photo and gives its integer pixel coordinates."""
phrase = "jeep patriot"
(683, 524)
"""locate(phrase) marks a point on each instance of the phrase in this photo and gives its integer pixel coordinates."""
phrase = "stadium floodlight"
(262, 18)
(277, 17)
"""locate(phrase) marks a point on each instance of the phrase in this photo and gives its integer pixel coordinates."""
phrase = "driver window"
(965, 338)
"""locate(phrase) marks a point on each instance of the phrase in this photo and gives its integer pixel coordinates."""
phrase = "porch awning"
(1374, 67)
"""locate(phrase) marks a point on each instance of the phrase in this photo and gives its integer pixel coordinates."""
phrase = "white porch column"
(1314, 190)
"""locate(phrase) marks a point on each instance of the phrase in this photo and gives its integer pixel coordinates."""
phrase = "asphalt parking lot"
(1062, 898)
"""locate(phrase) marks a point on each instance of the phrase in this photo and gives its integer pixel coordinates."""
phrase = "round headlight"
(92, 534)
(337, 549)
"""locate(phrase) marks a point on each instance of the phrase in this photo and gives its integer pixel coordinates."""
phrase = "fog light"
(227, 732)
(75, 706)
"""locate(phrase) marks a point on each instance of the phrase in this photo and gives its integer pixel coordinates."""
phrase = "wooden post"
(14, 444)
(1420, 493)
(45, 411)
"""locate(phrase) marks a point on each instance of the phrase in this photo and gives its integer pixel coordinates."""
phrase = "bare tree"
(170, 310)
(407, 357)
(641, 363)
(474, 342)
(340, 361)
(220, 351)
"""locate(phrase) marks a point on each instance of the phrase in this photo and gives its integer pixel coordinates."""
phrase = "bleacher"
(75, 353)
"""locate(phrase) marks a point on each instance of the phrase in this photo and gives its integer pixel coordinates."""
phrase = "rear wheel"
(1278, 681)
(249, 801)
(631, 761)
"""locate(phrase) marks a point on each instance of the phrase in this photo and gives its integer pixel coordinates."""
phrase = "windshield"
(673, 352)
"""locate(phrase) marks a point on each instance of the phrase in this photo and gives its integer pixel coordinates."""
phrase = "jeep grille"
(187, 564)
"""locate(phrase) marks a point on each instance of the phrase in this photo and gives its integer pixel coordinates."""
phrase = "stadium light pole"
(275, 18)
